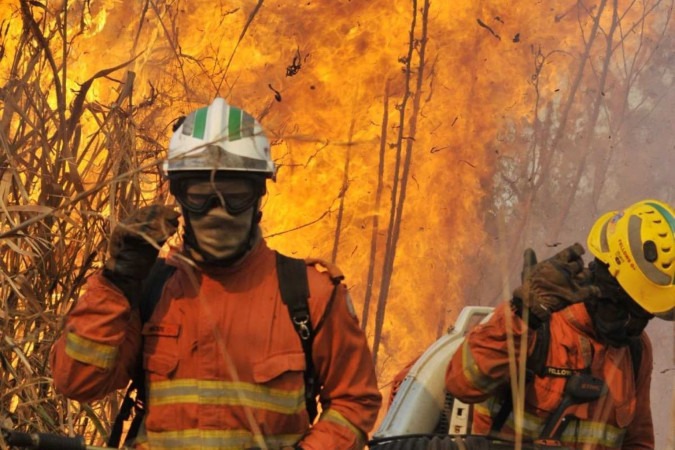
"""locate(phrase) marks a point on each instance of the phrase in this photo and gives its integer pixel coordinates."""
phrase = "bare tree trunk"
(343, 193)
(398, 202)
(587, 149)
(543, 165)
(376, 214)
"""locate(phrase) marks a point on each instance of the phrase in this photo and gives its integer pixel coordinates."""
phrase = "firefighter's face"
(617, 320)
(221, 217)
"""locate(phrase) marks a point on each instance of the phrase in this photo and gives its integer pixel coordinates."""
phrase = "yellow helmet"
(638, 244)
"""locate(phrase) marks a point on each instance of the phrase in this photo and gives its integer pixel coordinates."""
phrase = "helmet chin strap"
(191, 243)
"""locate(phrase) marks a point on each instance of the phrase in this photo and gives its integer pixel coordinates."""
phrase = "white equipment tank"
(420, 399)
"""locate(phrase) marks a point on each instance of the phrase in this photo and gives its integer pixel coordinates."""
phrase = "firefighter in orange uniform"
(222, 362)
(595, 317)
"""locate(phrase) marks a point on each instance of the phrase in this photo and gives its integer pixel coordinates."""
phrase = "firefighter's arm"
(98, 348)
(640, 433)
(481, 364)
(350, 399)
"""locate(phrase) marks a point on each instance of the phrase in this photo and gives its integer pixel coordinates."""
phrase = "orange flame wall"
(320, 76)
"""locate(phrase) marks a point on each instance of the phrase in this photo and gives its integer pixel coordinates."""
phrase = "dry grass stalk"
(65, 169)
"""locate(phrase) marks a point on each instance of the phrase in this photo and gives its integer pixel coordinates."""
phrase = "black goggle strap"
(234, 203)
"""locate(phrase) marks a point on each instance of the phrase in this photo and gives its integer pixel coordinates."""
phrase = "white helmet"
(219, 137)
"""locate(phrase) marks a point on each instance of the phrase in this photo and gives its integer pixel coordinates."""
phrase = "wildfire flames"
(390, 122)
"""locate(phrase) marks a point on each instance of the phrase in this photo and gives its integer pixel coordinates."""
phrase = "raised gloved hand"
(552, 284)
(134, 245)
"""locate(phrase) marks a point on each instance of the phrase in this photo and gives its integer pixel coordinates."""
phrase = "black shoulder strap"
(153, 287)
(152, 291)
(294, 288)
(635, 347)
(536, 364)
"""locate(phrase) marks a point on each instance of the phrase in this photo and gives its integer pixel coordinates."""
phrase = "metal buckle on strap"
(301, 324)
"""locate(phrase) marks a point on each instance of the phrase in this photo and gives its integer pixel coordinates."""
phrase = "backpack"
(294, 289)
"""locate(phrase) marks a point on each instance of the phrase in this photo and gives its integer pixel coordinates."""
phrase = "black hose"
(43, 441)
(446, 442)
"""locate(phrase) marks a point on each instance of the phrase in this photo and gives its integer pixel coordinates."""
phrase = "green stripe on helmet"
(200, 123)
(664, 212)
(234, 124)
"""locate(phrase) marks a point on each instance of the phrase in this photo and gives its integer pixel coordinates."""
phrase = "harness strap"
(536, 364)
(294, 288)
(122, 416)
(152, 291)
(635, 347)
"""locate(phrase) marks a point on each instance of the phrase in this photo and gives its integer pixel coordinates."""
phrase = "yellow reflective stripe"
(230, 393)
(486, 407)
(473, 373)
(578, 431)
(218, 439)
(532, 425)
(590, 432)
(330, 415)
(90, 352)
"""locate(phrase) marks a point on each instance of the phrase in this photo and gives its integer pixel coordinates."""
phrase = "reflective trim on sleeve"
(226, 393)
(218, 439)
(473, 373)
(90, 352)
(330, 415)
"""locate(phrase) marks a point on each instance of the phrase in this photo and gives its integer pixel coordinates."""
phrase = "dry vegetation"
(67, 164)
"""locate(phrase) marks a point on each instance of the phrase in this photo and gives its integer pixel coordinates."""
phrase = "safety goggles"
(200, 196)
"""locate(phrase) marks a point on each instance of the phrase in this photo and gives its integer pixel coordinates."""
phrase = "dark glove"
(134, 245)
(552, 284)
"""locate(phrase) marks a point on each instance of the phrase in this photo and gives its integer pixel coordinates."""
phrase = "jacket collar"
(577, 316)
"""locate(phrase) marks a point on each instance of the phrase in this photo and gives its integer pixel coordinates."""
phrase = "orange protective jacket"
(479, 372)
(223, 363)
